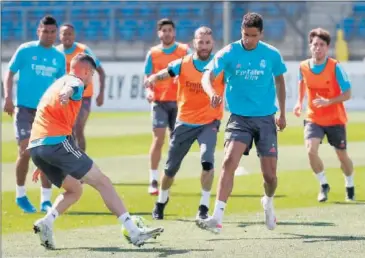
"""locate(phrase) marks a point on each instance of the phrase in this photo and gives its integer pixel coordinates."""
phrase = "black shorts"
(336, 134)
(261, 130)
(58, 161)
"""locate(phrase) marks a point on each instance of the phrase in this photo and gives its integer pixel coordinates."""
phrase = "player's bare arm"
(66, 93)
(207, 84)
(100, 97)
(8, 94)
(324, 102)
(161, 75)
(301, 94)
(281, 95)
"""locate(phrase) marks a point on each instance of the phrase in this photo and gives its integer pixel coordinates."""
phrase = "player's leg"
(267, 149)
(23, 120)
(313, 135)
(41, 157)
(46, 193)
(238, 138)
(181, 140)
(172, 115)
(160, 122)
(67, 157)
(207, 140)
(337, 138)
(79, 128)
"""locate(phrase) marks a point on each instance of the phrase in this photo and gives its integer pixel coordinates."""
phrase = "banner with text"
(124, 86)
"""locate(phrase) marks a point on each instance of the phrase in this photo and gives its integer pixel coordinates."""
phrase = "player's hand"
(150, 95)
(297, 110)
(100, 100)
(176, 79)
(319, 102)
(65, 95)
(9, 106)
(215, 100)
(149, 83)
(36, 174)
(281, 122)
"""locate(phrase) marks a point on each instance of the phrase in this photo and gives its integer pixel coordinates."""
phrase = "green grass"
(296, 190)
(5, 118)
(99, 147)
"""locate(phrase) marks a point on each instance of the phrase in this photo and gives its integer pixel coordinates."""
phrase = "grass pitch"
(119, 142)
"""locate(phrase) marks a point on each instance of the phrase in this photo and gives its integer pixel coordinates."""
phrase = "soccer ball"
(140, 222)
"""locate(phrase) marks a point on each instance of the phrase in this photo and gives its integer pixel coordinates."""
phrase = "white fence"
(124, 90)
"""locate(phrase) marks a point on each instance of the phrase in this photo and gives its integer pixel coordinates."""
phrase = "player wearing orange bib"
(196, 119)
(163, 95)
(327, 87)
(71, 48)
(55, 153)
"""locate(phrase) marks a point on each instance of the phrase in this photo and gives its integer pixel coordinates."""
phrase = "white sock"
(51, 216)
(349, 180)
(20, 191)
(46, 194)
(268, 201)
(322, 178)
(153, 175)
(162, 196)
(126, 220)
(219, 211)
(204, 200)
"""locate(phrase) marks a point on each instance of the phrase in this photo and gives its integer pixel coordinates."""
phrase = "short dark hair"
(253, 20)
(82, 57)
(320, 33)
(67, 25)
(165, 21)
(48, 20)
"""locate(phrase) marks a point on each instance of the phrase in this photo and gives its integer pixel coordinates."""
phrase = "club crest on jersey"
(263, 64)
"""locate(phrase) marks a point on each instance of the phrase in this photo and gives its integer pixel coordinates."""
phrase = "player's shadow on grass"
(358, 202)
(291, 223)
(130, 184)
(325, 238)
(97, 213)
(233, 195)
(162, 252)
(306, 238)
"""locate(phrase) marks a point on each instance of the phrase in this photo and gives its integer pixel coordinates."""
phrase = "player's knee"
(207, 166)
(312, 148)
(77, 192)
(270, 179)
(23, 154)
(312, 151)
(170, 172)
(229, 164)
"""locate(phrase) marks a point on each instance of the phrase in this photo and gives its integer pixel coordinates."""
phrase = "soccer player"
(71, 48)
(196, 119)
(163, 95)
(254, 72)
(39, 64)
(327, 87)
(53, 151)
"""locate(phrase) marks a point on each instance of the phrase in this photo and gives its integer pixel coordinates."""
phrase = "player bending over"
(53, 151)
(196, 119)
